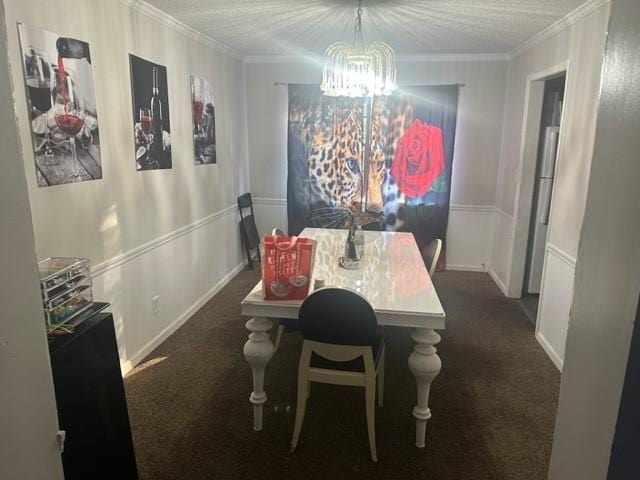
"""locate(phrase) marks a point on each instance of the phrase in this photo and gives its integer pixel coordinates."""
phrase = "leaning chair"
(248, 229)
(341, 347)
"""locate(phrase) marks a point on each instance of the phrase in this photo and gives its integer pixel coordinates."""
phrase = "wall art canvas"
(62, 106)
(204, 122)
(152, 128)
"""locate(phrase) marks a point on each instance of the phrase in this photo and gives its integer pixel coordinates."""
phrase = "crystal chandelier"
(358, 70)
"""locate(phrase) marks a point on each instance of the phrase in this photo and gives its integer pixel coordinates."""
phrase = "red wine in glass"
(69, 113)
(198, 112)
(146, 120)
(69, 124)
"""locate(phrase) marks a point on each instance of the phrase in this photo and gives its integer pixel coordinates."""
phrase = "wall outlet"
(155, 304)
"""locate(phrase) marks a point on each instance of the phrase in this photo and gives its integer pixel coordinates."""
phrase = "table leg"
(425, 366)
(258, 350)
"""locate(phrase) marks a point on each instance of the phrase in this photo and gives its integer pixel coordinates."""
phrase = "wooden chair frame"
(432, 251)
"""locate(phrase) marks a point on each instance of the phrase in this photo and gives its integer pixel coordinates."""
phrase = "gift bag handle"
(280, 245)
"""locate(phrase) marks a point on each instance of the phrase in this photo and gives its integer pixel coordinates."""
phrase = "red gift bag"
(287, 267)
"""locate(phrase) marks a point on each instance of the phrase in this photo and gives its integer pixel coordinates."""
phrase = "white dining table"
(392, 277)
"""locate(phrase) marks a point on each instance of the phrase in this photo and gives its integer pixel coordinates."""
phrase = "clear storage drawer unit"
(66, 288)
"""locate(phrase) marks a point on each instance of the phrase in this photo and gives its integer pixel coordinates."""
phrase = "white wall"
(476, 152)
(173, 232)
(607, 283)
(581, 44)
(28, 419)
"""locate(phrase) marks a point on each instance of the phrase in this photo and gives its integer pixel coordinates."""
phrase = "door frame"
(533, 100)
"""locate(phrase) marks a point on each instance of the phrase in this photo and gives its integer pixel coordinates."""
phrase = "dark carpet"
(493, 404)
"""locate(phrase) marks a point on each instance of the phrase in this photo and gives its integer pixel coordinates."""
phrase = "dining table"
(392, 276)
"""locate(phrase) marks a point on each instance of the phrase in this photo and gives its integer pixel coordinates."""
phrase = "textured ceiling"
(293, 27)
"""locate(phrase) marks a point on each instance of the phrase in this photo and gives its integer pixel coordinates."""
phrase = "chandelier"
(358, 70)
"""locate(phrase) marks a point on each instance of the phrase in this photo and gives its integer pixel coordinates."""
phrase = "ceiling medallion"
(358, 70)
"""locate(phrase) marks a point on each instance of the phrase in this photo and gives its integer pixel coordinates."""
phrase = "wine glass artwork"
(68, 113)
(63, 111)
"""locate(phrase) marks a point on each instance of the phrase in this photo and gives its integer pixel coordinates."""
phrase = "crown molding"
(436, 57)
(453, 57)
(162, 17)
(572, 17)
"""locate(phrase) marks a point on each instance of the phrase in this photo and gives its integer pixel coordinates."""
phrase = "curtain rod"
(286, 84)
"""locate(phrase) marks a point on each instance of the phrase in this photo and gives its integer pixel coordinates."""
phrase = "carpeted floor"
(493, 404)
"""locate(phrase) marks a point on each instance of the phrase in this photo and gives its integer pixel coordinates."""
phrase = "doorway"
(551, 79)
(547, 148)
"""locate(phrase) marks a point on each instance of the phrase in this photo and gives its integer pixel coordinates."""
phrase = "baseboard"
(557, 361)
(494, 276)
(465, 268)
(136, 358)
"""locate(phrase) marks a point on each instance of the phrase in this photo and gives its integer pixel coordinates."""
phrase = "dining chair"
(248, 229)
(431, 254)
(284, 324)
(341, 347)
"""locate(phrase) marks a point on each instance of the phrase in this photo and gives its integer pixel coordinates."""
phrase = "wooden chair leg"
(278, 337)
(380, 380)
(301, 405)
(370, 399)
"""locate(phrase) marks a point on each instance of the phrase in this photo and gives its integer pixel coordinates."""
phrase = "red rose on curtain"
(419, 159)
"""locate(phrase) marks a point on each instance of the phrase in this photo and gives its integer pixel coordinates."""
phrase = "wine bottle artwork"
(63, 113)
(151, 114)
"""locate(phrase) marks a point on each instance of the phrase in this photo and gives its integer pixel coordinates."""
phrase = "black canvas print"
(204, 122)
(62, 107)
(152, 128)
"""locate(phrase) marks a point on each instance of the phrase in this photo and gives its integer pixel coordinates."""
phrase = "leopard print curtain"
(387, 159)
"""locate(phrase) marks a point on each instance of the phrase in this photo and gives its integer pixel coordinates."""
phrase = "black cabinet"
(92, 407)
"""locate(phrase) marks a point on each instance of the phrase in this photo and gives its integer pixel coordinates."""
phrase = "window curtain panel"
(388, 158)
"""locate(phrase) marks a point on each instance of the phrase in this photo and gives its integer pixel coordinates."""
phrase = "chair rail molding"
(270, 201)
(125, 257)
(469, 235)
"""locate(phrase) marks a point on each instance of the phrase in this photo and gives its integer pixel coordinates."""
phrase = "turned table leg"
(258, 350)
(425, 366)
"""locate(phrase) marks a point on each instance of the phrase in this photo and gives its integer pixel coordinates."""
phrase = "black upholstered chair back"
(337, 316)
